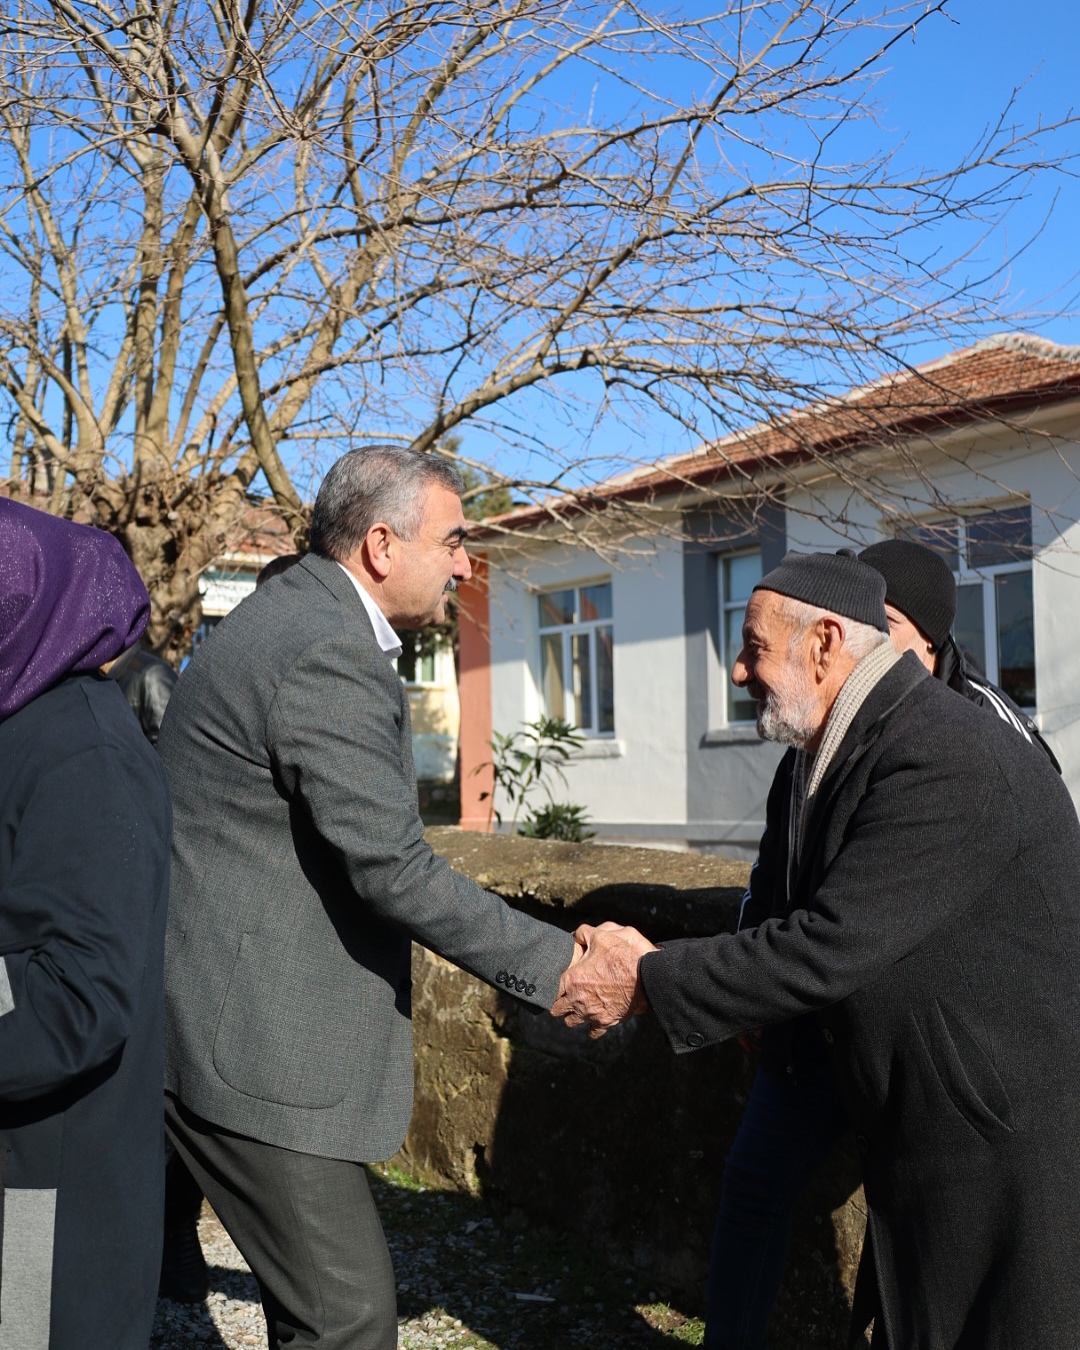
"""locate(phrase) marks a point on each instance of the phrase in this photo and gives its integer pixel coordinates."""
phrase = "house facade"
(426, 668)
(629, 630)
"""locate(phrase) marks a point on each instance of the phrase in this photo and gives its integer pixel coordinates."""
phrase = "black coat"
(147, 682)
(933, 929)
(951, 666)
(84, 835)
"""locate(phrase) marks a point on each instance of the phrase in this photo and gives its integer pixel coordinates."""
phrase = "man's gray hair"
(860, 639)
(378, 482)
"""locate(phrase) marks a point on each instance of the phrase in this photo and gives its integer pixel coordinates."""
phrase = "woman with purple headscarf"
(84, 840)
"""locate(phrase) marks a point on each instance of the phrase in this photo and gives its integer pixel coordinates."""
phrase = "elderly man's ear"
(828, 644)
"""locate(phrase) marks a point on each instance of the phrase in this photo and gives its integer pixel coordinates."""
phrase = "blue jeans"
(791, 1122)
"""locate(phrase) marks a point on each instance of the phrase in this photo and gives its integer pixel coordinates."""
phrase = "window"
(575, 656)
(416, 664)
(739, 574)
(990, 555)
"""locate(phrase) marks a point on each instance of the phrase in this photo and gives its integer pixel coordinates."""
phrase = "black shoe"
(184, 1274)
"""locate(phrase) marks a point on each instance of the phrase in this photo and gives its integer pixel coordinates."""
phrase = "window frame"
(724, 607)
(985, 576)
(567, 631)
(435, 682)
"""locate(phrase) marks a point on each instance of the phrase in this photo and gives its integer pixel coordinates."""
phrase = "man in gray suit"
(300, 874)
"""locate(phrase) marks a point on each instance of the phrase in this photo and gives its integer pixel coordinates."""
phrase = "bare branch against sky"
(240, 239)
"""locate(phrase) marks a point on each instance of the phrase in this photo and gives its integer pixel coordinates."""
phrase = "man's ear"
(378, 548)
(829, 639)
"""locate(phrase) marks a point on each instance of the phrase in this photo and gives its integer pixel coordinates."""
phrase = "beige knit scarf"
(810, 769)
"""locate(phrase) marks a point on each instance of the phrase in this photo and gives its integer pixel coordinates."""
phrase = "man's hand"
(602, 987)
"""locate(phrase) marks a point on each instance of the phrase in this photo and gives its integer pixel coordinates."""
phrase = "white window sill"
(599, 748)
(740, 733)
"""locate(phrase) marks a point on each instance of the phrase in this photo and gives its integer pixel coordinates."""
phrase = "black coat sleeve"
(88, 873)
(931, 830)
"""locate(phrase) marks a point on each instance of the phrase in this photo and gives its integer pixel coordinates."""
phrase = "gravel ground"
(466, 1281)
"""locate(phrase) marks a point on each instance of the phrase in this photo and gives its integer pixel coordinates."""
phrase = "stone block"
(617, 1141)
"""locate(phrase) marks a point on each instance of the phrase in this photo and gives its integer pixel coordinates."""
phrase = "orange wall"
(474, 670)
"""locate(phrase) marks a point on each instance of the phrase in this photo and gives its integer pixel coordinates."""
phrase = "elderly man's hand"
(603, 987)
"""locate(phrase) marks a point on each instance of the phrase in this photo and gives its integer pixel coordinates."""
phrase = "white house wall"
(633, 784)
(986, 469)
(1056, 583)
(674, 771)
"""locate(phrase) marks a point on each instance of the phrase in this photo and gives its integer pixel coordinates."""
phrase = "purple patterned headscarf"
(70, 600)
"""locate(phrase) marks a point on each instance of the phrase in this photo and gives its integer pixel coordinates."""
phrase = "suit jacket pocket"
(276, 1037)
(965, 1070)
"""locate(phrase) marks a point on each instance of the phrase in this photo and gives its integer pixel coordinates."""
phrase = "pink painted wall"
(474, 671)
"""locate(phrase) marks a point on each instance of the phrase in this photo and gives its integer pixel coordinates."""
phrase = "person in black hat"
(912, 945)
(920, 604)
(920, 596)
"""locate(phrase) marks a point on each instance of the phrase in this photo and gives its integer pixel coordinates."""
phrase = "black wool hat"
(838, 582)
(918, 582)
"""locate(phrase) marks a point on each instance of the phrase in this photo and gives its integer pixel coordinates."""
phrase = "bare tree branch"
(244, 235)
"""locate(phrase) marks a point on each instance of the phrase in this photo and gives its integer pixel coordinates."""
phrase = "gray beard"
(791, 722)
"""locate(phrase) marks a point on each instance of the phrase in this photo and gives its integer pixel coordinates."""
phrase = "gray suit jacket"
(299, 875)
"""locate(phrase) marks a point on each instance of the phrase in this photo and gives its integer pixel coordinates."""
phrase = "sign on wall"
(223, 591)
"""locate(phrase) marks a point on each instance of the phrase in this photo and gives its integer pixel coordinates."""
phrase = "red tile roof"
(994, 379)
(259, 530)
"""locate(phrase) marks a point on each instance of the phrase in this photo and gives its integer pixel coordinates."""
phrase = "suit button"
(503, 977)
(828, 1037)
(695, 1040)
(530, 989)
(862, 1143)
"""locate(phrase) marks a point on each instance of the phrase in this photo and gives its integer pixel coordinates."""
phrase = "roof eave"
(672, 479)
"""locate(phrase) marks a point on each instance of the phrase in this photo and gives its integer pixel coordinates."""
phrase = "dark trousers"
(791, 1122)
(183, 1198)
(307, 1227)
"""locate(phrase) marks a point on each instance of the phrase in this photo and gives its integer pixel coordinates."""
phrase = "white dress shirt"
(385, 636)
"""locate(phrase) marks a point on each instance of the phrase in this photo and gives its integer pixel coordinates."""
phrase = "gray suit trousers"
(307, 1227)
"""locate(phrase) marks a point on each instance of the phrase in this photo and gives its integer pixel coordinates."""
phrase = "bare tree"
(239, 235)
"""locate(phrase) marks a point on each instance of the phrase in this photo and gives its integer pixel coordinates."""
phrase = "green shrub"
(557, 820)
(531, 758)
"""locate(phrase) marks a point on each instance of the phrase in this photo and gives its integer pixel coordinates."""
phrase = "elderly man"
(300, 875)
(793, 1116)
(922, 862)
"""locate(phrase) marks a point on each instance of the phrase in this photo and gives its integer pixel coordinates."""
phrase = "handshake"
(602, 985)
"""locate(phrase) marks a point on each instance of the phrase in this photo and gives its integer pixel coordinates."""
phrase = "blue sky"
(956, 78)
(934, 98)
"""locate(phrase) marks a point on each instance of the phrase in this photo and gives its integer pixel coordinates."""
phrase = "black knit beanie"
(838, 582)
(918, 582)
